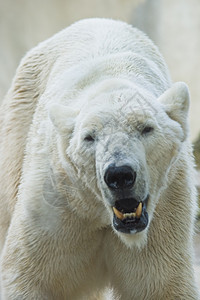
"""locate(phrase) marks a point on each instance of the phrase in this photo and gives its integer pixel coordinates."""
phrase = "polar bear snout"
(129, 194)
(121, 177)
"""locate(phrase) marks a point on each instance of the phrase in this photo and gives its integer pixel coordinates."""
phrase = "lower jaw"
(132, 227)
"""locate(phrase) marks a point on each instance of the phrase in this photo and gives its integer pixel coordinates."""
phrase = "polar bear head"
(122, 144)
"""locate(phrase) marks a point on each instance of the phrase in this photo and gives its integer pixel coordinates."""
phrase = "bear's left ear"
(62, 117)
(176, 101)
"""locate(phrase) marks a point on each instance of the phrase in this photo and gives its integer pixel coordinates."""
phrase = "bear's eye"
(147, 130)
(89, 138)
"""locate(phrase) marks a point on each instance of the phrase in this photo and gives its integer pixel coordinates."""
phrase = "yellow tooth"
(118, 213)
(139, 210)
(129, 215)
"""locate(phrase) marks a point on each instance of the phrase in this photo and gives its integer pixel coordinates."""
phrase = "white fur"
(105, 79)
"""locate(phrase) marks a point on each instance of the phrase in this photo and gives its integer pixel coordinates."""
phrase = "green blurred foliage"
(196, 148)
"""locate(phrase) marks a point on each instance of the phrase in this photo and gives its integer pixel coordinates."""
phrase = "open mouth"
(130, 216)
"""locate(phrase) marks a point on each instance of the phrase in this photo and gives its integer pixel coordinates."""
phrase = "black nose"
(122, 177)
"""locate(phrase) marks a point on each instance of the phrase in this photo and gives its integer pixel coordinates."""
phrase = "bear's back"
(94, 38)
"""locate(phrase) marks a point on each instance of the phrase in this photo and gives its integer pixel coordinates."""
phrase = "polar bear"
(96, 171)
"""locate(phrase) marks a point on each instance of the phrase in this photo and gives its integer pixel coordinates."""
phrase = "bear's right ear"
(62, 117)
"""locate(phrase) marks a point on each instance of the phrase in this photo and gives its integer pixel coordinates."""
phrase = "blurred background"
(173, 25)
